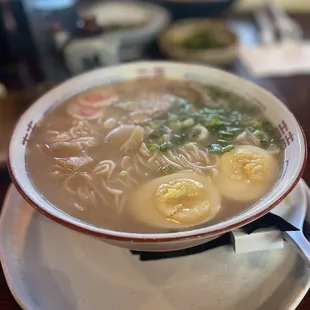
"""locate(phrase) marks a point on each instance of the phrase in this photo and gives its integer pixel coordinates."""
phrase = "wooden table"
(294, 92)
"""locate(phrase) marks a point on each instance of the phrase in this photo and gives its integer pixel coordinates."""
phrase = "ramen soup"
(154, 155)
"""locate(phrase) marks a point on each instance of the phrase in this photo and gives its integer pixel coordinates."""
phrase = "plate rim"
(5, 268)
(12, 191)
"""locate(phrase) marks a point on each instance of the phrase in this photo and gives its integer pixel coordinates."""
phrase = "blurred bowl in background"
(134, 23)
(200, 40)
(195, 8)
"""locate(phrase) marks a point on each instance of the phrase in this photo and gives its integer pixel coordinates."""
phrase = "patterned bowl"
(291, 133)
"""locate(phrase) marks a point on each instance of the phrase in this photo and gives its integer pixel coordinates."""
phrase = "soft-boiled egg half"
(175, 201)
(246, 173)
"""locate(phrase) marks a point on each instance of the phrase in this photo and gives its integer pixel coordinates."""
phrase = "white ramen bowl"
(274, 110)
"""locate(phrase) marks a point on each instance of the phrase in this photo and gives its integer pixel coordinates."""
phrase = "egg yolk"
(176, 200)
(182, 200)
(248, 166)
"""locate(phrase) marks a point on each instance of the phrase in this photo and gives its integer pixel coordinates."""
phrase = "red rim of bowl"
(168, 239)
(215, 230)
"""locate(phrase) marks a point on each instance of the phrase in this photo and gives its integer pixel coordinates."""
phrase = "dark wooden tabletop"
(294, 91)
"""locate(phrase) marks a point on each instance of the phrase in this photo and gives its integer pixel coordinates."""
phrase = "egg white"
(246, 189)
(143, 204)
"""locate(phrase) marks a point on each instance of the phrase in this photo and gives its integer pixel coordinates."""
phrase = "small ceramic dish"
(274, 110)
(134, 23)
(200, 40)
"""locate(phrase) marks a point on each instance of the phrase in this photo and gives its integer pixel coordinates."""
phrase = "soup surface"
(154, 155)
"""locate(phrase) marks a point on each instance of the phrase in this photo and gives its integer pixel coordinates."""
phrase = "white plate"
(49, 267)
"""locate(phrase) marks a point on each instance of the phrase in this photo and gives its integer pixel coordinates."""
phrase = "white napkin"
(282, 59)
(264, 239)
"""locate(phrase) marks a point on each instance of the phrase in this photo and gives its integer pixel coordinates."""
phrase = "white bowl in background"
(133, 41)
(293, 165)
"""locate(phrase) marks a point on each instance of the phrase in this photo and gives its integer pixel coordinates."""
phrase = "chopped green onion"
(165, 146)
(214, 122)
(188, 123)
(175, 105)
(176, 126)
(235, 116)
(156, 124)
(222, 141)
(155, 134)
(228, 148)
(152, 146)
(223, 116)
(257, 125)
(172, 117)
(219, 149)
(215, 148)
(226, 134)
(235, 130)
